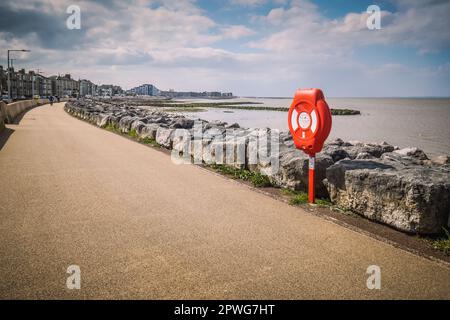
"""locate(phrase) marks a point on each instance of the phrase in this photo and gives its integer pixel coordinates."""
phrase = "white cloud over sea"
(250, 47)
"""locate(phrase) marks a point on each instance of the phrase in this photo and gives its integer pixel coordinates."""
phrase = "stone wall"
(11, 110)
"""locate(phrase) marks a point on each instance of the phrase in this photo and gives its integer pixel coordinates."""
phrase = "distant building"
(26, 85)
(145, 90)
(87, 88)
(3, 82)
(109, 90)
(206, 95)
(42, 85)
(65, 86)
(21, 84)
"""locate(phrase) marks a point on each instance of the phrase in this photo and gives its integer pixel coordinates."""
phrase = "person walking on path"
(51, 100)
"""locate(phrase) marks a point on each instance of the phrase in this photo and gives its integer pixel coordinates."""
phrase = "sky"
(249, 47)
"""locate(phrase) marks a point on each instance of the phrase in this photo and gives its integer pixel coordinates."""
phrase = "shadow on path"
(20, 116)
(4, 136)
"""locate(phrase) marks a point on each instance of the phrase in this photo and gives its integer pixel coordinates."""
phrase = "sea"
(403, 122)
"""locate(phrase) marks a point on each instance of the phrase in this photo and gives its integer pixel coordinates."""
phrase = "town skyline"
(31, 83)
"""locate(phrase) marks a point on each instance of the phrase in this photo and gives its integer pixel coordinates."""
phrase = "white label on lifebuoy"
(304, 120)
(314, 121)
(294, 120)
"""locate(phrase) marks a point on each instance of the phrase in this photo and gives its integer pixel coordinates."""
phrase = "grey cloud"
(50, 30)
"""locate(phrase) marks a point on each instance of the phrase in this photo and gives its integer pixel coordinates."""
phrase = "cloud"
(254, 3)
(303, 26)
(178, 44)
(236, 32)
(248, 2)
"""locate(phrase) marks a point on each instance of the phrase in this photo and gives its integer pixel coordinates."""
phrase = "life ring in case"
(309, 120)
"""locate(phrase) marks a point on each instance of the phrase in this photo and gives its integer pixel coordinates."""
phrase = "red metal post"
(311, 182)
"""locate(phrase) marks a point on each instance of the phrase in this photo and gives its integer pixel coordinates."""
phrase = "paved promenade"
(141, 227)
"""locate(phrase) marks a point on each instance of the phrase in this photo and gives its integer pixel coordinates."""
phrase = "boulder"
(374, 149)
(181, 146)
(232, 126)
(395, 190)
(364, 155)
(412, 152)
(164, 137)
(182, 123)
(213, 146)
(125, 123)
(137, 125)
(336, 152)
(440, 160)
(149, 131)
(293, 171)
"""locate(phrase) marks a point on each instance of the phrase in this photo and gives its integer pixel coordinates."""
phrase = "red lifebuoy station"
(309, 121)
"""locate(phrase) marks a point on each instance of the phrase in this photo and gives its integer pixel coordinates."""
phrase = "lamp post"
(9, 71)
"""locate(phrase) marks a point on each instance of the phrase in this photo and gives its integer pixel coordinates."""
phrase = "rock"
(235, 152)
(258, 149)
(400, 158)
(336, 142)
(286, 138)
(412, 152)
(137, 125)
(215, 123)
(104, 121)
(149, 131)
(212, 146)
(164, 137)
(232, 126)
(375, 150)
(339, 150)
(440, 160)
(161, 119)
(364, 155)
(181, 142)
(182, 123)
(404, 195)
(294, 170)
(335, 151)
(125, 123)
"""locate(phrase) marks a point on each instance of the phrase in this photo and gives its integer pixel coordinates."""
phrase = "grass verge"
(299, 198)
(443, 243)
(256, 178)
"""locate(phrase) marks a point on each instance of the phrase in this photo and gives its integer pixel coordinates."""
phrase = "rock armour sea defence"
(402, 188)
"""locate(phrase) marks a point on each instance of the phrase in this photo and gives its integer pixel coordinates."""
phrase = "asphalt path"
(139, 226)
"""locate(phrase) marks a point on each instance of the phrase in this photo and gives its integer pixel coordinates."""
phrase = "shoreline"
(409, 242)
(393, 172)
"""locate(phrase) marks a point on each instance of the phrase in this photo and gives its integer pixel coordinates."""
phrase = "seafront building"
(151, 90)
(192, 94)
(109, 90)
(145, 90)
(25, 85)
(63, 86)
(87, 88)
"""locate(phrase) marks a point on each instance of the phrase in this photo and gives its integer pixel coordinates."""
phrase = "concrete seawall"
(12, 110)
(2, 116)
